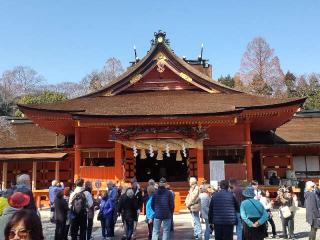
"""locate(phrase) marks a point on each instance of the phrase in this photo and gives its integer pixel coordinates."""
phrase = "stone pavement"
(183, 227)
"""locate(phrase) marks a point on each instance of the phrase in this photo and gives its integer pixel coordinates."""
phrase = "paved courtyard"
(183, 227)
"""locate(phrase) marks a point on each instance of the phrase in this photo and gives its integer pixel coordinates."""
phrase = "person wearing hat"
(312, 203)
(16, 202)
(163, 205)
(254, 216)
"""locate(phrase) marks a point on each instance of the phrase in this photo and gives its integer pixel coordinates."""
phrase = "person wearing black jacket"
(128, 207)
(61, 211)
(138, 196)
(163, 207)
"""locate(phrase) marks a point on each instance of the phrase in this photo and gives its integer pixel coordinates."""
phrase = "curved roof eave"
(299, 101)
(230, 112)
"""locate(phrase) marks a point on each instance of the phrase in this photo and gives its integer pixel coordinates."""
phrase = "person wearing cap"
(193, 203)
(163, 205)
(16, 202)
(312, 203)
(254, 216)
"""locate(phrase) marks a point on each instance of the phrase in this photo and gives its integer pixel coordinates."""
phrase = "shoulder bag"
(285, 211)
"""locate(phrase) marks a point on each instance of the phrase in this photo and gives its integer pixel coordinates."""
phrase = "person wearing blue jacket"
(254, 216)
(222, 212)
(163, 205)
(149, 211)
(106, 212)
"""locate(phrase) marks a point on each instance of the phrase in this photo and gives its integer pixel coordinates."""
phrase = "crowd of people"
(249, 209)
(72, 209)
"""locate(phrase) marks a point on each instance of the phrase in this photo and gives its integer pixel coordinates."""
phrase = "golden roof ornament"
(185, 77)
(136, 78)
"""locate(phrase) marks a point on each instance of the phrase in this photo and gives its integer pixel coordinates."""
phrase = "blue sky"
(65, 40)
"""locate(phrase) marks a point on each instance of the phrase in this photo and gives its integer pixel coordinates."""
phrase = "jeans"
(157, 226)
(60, 230)
(77, 222)
(239, 227)
(207, 231)
(288, 222)
(107, 224)
(223, 232)
(196, 224)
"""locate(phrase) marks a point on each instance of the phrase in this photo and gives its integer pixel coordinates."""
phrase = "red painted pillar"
(118, 161)
(248, 151)
(77, 153)
(200, 165)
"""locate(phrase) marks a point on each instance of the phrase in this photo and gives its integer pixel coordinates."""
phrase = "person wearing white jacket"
(268, 205)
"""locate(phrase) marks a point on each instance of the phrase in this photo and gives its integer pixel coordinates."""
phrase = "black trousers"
(273, 226)
(89, 228)
(79, 222)
(60, 230)
(150, 229)
(223, 232)
(129, 228)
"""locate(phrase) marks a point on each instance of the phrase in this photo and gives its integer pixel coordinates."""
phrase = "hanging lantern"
(159, 155)
(143, 154)
(178, 156)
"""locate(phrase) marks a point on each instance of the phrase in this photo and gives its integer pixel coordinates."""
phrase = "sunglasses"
(21, 233)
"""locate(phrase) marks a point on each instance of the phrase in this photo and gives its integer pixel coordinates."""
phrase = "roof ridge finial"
(160, 38)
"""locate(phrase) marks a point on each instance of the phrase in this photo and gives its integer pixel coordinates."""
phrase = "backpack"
(79, 204)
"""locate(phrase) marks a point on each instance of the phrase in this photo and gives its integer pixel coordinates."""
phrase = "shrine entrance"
(168, 167)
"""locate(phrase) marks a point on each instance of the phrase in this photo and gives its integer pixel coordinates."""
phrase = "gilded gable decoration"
(136, 78)
(185, 77)
(161, 59)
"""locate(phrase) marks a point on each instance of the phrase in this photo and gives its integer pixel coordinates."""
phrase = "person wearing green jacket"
(254, 216)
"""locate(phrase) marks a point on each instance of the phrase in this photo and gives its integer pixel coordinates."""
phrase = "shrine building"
(164, 117)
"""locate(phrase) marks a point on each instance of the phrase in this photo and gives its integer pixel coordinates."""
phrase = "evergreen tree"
(290, 82)
(228, 81)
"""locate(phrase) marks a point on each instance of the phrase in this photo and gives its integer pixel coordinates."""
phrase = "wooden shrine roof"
(29, 135)
(302, 128)
(163, 103)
